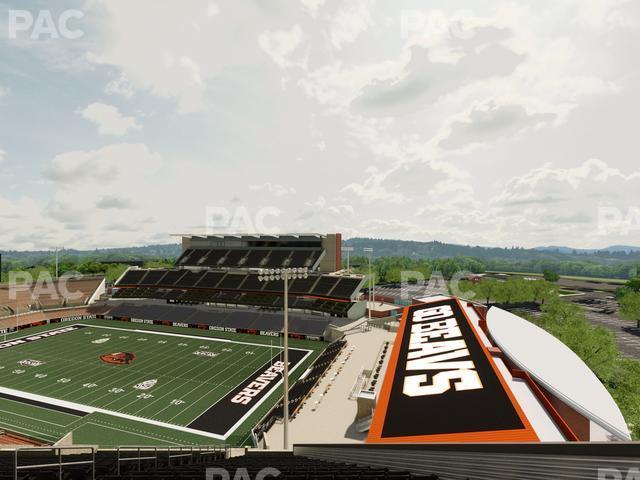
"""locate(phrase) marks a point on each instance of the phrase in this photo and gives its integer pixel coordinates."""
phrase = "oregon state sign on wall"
(442, 384)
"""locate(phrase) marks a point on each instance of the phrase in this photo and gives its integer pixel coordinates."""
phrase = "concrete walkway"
(331, 419)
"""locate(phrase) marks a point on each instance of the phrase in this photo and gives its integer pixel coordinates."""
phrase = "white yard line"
(182, 335)
(88, 409)
(154, 438)
(211, 390)
(31, 418)
(36, 433)
(236, 354)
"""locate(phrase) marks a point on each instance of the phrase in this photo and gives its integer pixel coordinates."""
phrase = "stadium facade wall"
(37, 319)
(213, 328)
(332, 260)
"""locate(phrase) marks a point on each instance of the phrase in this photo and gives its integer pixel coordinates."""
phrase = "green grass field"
(177, 374)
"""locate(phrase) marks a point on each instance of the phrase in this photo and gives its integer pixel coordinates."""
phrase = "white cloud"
(351, 20)
(113, 203)
(104, 166)
(3, 91)
(274, 188)
(173, 56)
(373, 190)
(280, 45)
(548, 205)
(343, 210)
(120, 86)
(313, 6)
(488, 122)
(212, 10)
(3, 155)
(109, 119)
(547, 182)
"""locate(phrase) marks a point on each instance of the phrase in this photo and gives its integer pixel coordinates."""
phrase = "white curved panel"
(557, 368)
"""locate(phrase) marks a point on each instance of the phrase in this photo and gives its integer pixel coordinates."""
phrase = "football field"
(178, 383)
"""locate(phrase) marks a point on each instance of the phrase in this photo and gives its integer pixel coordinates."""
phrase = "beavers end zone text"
(442, 384)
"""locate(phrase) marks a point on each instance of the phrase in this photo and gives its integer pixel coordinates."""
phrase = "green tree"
(624, 385)
(594, 345)
(630, 307)
(160, 263)
(543, 291)
(550, 276)
(113, 271)
(487, 289)
(633, 284)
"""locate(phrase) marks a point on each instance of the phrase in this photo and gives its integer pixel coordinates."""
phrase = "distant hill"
(168, 251)
(622, 248)
(382, 248)
(569, 250)
(434, 249)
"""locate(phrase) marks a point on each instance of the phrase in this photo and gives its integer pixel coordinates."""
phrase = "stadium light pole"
(286, 274)
(57, 249)
(369, 250)
(348, 249)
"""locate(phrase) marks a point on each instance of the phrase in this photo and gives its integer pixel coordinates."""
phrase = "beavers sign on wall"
(442, 384)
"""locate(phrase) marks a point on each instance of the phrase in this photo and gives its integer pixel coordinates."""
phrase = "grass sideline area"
(190, 370)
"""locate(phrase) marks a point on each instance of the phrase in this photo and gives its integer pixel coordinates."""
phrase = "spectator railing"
(57, 459)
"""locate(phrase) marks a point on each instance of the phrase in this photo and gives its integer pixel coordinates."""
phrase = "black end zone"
(222, 416)
(48, 406)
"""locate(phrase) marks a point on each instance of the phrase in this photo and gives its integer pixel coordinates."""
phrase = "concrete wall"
(331, 262)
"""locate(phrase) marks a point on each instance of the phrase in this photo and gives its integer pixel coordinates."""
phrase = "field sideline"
(159, 388)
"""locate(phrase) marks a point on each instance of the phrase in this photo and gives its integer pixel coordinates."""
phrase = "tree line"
(111, 271)
(388, 268)
(512, 291)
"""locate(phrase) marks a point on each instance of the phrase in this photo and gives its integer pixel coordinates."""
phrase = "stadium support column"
(285, 274)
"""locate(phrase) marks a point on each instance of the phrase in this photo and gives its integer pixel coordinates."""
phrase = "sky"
(472, 122)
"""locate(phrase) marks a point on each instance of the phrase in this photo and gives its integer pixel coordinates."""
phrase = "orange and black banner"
(442, 384)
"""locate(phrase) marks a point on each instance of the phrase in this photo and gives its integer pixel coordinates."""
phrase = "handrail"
(59, 464)
(142, 452)
(140, 449)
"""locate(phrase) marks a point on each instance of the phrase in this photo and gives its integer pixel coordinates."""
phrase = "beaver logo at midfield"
(119, 358)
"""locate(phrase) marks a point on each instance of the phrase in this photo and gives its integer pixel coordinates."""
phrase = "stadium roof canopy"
(248, 236)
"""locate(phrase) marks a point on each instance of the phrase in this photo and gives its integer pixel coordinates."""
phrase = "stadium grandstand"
(225, 270)
(187, 364)
(21, 298)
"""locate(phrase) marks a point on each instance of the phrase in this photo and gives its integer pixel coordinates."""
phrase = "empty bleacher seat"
(132, 277)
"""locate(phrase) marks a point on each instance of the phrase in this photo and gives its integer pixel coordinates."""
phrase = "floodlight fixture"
(285, 274)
